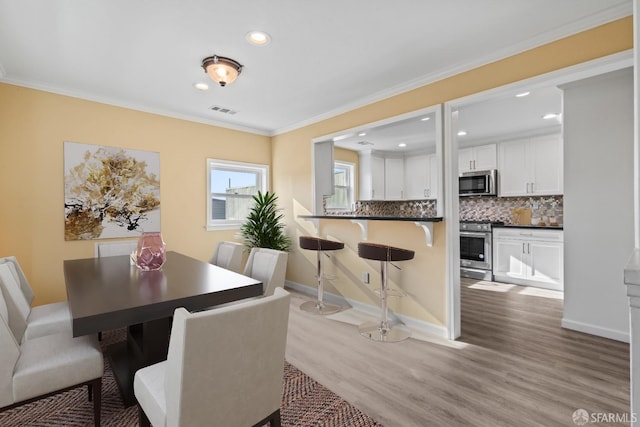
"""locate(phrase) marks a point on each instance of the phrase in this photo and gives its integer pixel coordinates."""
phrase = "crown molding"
(132, 106)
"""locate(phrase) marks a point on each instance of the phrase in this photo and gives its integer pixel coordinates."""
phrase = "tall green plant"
(263, 228)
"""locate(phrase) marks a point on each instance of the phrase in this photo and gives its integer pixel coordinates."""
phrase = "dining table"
(112, 292)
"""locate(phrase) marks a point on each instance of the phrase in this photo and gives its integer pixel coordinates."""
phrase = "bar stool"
(382, 331)
(320, 246)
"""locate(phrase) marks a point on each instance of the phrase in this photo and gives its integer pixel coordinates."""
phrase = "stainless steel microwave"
(478, 183)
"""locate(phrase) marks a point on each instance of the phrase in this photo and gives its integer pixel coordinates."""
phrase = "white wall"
(598, 202)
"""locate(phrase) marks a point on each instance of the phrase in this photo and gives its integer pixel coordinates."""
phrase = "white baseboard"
(412, 323)
(595, 330)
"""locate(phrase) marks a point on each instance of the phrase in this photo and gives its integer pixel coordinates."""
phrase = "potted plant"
(263, 227)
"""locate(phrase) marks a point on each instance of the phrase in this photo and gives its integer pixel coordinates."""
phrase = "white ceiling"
(325, 57)
(497, 118)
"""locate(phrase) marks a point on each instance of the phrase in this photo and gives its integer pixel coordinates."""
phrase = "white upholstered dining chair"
(224, 367)
(105, 249)
(228, 255)
(269, 266)
(25, 321)
(46, 365)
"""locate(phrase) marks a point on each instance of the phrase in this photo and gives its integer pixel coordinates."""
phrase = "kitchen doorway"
(457, 209)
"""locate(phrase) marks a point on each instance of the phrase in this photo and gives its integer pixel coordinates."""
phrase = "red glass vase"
(151, 253)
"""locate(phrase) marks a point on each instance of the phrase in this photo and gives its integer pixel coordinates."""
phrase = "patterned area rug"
(305, 402)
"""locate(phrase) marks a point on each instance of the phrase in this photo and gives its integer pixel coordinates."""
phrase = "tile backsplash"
(471, 208)
(393, 208)
(499, 208)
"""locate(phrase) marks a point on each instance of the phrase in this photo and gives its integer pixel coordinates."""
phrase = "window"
(230, 190)
(343, 187)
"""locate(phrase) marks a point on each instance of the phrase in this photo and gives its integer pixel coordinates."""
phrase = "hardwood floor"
(513, 365)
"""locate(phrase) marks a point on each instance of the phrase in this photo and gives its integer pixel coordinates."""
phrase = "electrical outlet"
(365, 277)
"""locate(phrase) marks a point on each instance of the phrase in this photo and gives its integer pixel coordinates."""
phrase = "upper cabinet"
(421, 176)
(371, 176)
(530, 167)
(412, 177)
(394, 178)
(482, 157)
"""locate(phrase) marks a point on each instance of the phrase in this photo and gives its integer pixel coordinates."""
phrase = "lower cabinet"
(527, 256)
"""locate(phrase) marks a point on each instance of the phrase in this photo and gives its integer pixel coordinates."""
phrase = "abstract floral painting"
(110, 192)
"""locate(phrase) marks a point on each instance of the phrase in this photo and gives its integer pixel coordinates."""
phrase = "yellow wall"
(33, 127)
(292, 157)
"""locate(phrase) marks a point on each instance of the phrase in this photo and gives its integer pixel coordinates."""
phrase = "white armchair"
(224, 367)
(47, 365)
(27, 322)
(269, 266)
(228, 255)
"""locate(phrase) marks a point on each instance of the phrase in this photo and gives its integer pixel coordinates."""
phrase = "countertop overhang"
(374, 218)
(363, 222)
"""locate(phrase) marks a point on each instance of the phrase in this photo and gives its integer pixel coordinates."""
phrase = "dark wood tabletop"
(108, 293)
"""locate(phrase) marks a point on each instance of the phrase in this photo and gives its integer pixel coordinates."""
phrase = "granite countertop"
(373, 218)
(539, 227)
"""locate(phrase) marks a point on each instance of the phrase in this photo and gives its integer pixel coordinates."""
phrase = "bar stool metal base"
(317, 307)
(376, 332)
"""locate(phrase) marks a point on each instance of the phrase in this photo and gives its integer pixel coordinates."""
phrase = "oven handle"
(474, 234)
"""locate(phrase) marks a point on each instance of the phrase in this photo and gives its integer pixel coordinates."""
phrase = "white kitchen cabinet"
(416, 176)
(434, 177)
(528, 256)
(394, 178)
(530, 167)
(377, 178)
(480, 158)
(421, 176)
(371, 177)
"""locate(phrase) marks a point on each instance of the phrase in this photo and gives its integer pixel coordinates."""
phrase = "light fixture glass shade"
(221, 70)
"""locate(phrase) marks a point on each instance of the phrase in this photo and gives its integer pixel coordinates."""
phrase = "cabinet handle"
(527, 188)
(470, 165)
(474, 165)
(424, 192)
(532, 190)
(523, 251)
(529, 248)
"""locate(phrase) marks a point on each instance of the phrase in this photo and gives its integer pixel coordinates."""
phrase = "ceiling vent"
(365, 143)
(222, 110)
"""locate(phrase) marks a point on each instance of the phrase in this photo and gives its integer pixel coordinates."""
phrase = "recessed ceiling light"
(424, 119)
(462, 133)
(259, 38)
(201, 86)
(522, 94)
(362, 134)
(402, 144)
(551, 116)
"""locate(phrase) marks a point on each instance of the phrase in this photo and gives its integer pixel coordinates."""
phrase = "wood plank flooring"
(513, 365)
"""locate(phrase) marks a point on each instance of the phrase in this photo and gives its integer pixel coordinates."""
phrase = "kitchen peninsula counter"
(426, 223)
(373, 218)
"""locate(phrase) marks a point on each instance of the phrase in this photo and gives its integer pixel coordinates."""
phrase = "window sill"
(218, 227)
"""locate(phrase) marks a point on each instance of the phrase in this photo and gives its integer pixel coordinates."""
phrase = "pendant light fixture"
(221, 70)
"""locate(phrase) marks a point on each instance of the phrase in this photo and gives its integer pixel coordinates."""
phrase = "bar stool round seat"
(382, 330)
(320, 246)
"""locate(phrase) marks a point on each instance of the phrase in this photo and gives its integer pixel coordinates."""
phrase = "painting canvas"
(110, 192)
